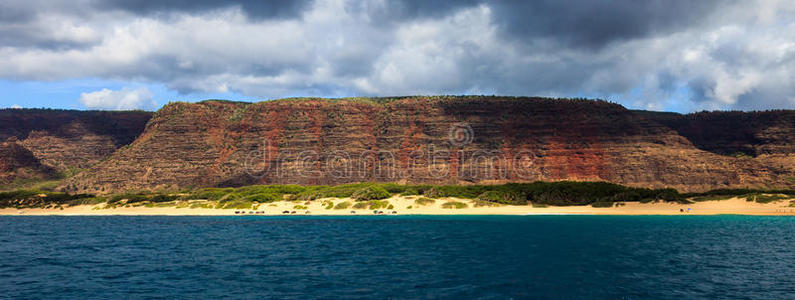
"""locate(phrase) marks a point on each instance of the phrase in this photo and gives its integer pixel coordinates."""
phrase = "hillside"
(18, 163)
(65, 141)
(446, 140)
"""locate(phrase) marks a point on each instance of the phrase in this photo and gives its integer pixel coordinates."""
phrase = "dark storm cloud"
(726, 54)
(594, 24)
(585, 23)
(256, 9)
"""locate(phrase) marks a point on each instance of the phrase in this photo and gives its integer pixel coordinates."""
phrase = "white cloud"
(741, 56)
(124, 99)
(16, 106)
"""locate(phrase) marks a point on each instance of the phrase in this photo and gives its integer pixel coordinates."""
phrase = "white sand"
(401, 204)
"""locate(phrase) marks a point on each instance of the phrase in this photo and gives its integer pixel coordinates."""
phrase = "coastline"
(407, 206)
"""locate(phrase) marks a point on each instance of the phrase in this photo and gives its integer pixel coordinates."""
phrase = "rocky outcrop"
(67, 140)
(455, 140)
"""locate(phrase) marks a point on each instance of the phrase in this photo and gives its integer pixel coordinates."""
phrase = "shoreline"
(407, 206)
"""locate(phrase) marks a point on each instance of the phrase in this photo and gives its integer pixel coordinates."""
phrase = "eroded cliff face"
(68, 141)
(445, 140)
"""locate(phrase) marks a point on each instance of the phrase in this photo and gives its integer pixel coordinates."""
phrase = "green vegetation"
(42, 199)
(423, 201)
(454, 205)
(499, 197)
(328, 204)
(759, 196)
(433, 193)
(482, 203)
(539, 194)
(766, 198)
(235, 204)
(410, 192)
(31, 184)
(378, 204)
(342, 205)
(711, 198)
(371, 193)
(602, 204)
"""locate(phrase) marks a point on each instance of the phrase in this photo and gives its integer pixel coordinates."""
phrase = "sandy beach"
(407, 206)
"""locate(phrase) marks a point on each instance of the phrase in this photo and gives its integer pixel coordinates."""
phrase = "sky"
(667, 55)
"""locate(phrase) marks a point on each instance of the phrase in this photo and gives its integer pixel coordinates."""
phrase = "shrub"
(263, 197)
(410, 192)
(308, 196)
(163, 198)
(376, 204)
(502, 197)
(210, 194)
(200, 205)
(361, 205)
(454, 205)
(235, 204)
(602, 204)
(342, 205)
(424, 201)
(433, 193)
(711, 198)
(481, 203)
(130, 198)
(371, 193)
(299, 207)
(762, 198)
(669, 195)
(628, 196)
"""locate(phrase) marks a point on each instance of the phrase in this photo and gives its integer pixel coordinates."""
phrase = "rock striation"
(447, 140)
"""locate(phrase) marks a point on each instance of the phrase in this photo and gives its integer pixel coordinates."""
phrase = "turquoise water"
(488, 257)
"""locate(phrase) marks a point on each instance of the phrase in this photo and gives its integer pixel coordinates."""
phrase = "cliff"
(455, 140)
(66, 141)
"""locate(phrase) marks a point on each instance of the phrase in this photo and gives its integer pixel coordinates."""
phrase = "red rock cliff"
(447, 140)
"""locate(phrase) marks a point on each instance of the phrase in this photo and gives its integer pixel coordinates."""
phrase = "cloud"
(682, 55)
(16, 106)
(124, 99)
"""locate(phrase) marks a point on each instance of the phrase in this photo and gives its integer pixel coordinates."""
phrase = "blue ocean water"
(457, 257)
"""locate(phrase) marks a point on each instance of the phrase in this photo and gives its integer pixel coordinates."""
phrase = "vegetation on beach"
(422, 201)
(44, 199)
(766, 198)
(602, 204)
(371, 195)
(454, 205)
(342, 205)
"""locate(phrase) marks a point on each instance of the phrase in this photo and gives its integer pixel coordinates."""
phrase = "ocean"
(427, 257)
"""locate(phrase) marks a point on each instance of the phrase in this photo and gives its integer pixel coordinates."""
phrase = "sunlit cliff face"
(445, 140)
